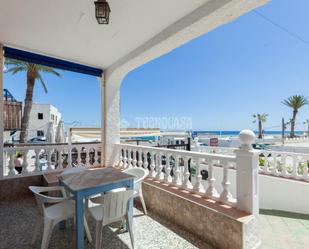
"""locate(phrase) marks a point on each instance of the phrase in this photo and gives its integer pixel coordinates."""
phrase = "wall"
(221, 227)
(17, 188)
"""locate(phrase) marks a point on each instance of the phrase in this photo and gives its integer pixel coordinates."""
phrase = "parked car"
(37, 140)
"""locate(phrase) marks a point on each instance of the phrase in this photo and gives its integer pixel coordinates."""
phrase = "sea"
(235, 133)
(225, 133)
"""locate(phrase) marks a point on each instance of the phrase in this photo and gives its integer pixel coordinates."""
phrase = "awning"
(18, 54)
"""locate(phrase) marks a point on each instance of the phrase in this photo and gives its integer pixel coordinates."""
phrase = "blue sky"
(218, 80)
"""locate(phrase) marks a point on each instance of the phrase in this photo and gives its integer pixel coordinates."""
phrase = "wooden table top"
(92, 178)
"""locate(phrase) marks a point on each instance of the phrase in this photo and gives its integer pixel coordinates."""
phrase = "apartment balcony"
(185, 210)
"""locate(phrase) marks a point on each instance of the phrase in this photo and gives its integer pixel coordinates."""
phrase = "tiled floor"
(18, 219)
(279, 230)
(284, 230)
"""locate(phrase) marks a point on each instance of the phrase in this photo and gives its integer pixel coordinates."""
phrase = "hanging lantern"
(102, 11)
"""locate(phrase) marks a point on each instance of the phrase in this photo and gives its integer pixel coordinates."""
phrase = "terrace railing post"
(247, 174)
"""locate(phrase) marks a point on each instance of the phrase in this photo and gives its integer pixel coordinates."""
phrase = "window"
(40, 133)
(52, 116)
(40, 115)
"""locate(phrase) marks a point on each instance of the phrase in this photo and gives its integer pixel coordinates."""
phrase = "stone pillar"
(110, 89)
(247, 174)
(1, 113)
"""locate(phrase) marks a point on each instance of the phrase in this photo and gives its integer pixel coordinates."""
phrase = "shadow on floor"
(18, 219)
(284, 214)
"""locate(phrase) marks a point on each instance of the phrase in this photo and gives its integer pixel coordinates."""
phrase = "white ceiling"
(68, 29)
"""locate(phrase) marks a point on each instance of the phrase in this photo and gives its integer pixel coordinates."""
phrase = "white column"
(110, 90)
(247, 174)
(1, 113)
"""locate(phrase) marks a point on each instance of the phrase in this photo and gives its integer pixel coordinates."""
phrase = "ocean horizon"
(236, 132)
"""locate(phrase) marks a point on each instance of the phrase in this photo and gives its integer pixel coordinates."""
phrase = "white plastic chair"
(58, 209)
(139, 175)
(114, 208)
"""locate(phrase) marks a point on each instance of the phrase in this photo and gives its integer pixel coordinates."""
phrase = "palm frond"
(46, 69)
(296, 102)
(16, 69)
(39, 77)
(14, 62)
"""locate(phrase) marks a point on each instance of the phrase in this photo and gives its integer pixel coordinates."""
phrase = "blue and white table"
(90, 182)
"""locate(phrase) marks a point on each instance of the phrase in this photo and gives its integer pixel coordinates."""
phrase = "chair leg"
(48, 228)
(129, 227)
(87, 230)
(35, 233)
(143, 202)
(98, 234)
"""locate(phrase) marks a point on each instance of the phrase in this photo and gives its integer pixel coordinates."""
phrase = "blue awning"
(18, 54)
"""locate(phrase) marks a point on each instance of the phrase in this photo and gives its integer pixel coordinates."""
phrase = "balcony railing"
(174, 167)
(38, 158)
(276, 163)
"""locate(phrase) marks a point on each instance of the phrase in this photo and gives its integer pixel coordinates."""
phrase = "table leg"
(79, 213)
(130, 207)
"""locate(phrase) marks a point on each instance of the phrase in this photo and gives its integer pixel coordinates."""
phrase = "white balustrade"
(276, 163)
(175, 167)
(39, 158)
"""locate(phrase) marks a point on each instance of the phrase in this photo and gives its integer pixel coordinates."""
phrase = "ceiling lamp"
(102, 11)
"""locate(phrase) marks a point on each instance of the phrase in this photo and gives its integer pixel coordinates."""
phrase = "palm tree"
(260, 118)
(295, 102)
(33, 73)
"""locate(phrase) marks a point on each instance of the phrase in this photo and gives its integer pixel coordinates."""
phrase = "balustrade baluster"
(295, 167)
(153, 164)
(95, 156)
(167, 169)
(59, 159)
(211, 190)
(274, 169)
(25, 162)
(130, 160)
(160, 166)
(134, 158)
(125, 158)
(11, 164)
(225, 196)
(265, 168)
(69, 157)
(145, 164)
(87, 158)
(140, 158)
(186, 182)
(176, 171)
(198, 187)
(49, 155)
(283, 158)
(37, 160)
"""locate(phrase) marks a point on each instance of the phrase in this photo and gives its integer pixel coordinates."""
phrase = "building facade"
(40, 117)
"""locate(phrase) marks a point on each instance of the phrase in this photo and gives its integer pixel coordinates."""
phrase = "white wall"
(275, 192)
(36, 124)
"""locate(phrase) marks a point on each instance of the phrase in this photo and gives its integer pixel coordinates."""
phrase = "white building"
(40, 117)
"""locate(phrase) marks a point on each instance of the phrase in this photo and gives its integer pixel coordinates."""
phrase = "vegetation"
(34, 72)
(295, 102)
(260, 118)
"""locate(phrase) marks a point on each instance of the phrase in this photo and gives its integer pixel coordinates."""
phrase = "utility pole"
(283, 130)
